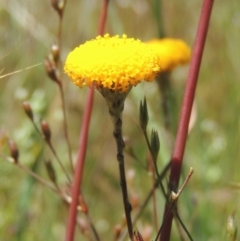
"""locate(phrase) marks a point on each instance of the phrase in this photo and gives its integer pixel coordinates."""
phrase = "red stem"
(83, 145)
(188, 98)
(79, 166)
(103, 17)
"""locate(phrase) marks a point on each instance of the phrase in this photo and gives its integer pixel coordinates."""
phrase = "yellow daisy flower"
(172, 52)
(116, 63)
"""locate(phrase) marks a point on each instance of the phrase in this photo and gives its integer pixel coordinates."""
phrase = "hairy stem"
(115, 102)
(188, 98)
(120, 157)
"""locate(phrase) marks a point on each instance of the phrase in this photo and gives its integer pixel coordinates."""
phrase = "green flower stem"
(167, 101)
(155, 165)
(188, 98)
(115, 102)
(83, 145)
(157, 13)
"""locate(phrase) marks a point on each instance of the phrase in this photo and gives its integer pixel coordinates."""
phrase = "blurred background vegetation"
(28, 210)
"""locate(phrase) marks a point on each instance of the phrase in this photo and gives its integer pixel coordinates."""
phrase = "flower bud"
(50, 171)
(55, 52)
(155, 144)
(143, 114)
(14, 151)
(46, 130)
(51, 69)
(28, 110)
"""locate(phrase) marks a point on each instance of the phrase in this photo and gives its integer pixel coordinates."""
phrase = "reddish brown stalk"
(182, 132)
(83, 145)
(103, 17)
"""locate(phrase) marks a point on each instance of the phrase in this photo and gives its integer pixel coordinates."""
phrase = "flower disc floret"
(116, 63)
(172, 52)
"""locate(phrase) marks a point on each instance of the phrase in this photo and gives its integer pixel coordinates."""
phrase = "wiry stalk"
(186, 110)
(60, 9)
(65, 127)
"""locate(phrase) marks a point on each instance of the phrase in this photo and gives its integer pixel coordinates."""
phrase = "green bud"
(155, 144)
(50, 171)
(143, 114)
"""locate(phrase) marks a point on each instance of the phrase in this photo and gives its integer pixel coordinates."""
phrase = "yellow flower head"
(114, 63)
(172, 52)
